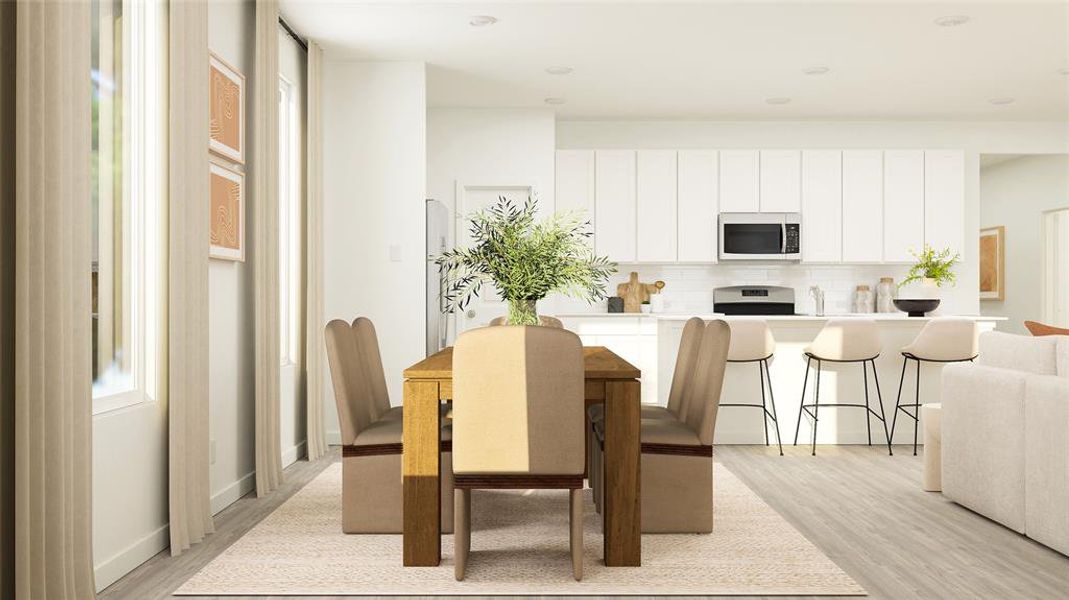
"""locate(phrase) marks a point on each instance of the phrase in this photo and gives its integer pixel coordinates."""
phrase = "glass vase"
(522, 312)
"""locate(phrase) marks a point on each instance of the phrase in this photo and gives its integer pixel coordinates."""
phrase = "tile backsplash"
(689, 288)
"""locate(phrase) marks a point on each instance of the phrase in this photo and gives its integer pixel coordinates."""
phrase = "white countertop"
(898, 317)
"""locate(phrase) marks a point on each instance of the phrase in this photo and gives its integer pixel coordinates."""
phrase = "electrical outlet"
(212, 447)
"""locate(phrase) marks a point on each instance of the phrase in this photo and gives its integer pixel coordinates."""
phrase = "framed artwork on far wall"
(993, 263)
(227, 198)
(226, 110)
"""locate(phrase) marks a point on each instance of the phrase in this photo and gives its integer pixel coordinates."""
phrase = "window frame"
(289, 214)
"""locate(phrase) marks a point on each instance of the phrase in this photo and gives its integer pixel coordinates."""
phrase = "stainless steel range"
(754, 300)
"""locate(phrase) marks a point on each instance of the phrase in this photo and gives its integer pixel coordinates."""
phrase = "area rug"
(519, 546)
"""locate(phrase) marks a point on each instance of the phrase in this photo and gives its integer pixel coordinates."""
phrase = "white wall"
(1014, 194)
(972, 137)
(292, 65)
(130, 445)
(374, 185)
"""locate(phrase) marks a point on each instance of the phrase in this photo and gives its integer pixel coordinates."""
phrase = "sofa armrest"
(984, 441)
(1046, 417)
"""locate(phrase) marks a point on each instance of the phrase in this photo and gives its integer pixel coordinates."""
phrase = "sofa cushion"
(1046, 462)
(1019, 352)
(1063, 356)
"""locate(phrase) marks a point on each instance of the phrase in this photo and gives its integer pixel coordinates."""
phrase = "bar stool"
(752, 342)
(844, 341)
(943, 340)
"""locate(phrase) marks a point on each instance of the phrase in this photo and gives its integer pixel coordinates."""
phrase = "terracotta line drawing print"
(227, 213)
(226, 121)
(992, 263)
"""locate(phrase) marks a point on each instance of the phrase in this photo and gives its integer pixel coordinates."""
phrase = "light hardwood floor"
(863, 508)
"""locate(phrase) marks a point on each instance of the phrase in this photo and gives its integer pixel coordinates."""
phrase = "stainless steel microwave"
(760, 236)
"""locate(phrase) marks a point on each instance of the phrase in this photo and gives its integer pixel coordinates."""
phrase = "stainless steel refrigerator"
(438, 228)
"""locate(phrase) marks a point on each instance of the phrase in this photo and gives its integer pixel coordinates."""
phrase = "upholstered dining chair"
(517, 422)
(677, 454)
(543, 321)
(371, 434)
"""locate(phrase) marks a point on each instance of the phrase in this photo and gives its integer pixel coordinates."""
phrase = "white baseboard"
(291, 455)
(112, 569)
(231, 493)
(333, 437)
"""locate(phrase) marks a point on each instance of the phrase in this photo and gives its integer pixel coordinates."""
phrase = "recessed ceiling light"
(555, 101)
(778, 100)
(482, 21)
(952, 20)
(559, 70)
(1001, 101)
(815, 70)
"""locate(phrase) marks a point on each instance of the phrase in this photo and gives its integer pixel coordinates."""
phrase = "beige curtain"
(317, 441)
(7, 300)
(186, 379)
(265, 247)
(53, 377)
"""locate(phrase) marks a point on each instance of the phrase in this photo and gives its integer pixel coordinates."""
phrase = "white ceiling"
(718, 60)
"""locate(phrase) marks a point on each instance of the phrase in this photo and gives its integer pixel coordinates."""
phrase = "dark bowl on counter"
(916, 307)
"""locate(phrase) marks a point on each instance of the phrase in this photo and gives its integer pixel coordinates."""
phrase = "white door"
(739, 185)
(656, 206)
(781, 181)
(822, 206)
(698, 205)
(471, 198)
(944, 199)
(614, 200)
(1056, 267)
(862, 206)
(903, 204)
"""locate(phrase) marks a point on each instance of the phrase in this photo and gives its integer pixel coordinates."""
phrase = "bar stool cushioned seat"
(752, 342)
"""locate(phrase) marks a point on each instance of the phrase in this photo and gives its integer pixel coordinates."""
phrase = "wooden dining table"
(609, 379)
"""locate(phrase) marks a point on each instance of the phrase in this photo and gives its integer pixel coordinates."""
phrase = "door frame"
(1046, 308)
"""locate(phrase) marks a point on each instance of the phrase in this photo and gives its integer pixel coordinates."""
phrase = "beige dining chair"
(686, 355)
(677, 454)
(543, 321)
(371, 434)
(517, 421)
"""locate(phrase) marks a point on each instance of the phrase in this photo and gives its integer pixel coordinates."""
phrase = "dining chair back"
(686, 358)
(707, 381)
(352, 391)
(371, 361)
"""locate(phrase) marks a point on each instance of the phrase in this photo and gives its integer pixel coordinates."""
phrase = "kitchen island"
(650, 342)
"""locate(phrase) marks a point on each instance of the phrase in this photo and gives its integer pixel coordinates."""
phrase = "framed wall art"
(993, 263)
(226, 110)
(227, 199)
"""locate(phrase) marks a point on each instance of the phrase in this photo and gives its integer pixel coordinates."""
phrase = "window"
(128, 112)
(289, 222)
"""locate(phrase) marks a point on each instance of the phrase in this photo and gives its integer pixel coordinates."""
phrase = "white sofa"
(1005, 435)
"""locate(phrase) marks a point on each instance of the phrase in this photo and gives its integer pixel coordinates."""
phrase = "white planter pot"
(923, 289)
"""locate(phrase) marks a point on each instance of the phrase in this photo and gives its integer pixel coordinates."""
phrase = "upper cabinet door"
(781, 181)
(656, 200)
(739, 181)
(903, 204)
(575, 182)
(862, 206)
(698, 205)
(944, 199)
(614, 204)
(822, 206)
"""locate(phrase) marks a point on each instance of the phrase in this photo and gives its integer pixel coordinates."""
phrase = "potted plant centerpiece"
(524, 259)
(919, 291)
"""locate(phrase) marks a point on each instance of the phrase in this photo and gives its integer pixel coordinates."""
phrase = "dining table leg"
(622, 492)
(421, 470)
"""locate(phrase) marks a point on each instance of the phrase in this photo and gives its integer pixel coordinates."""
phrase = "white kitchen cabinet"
(575, 182)
(614, 204)
(903, 204)
(822, 206)
(944, 199)
(698, 205)
(781, 181)
(862, 206)
(739, 181)
(656, 205)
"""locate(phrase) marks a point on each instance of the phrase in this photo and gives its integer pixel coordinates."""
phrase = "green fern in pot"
(931, 271)
(524, 259)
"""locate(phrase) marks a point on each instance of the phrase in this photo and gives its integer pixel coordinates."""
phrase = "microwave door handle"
(783, 239)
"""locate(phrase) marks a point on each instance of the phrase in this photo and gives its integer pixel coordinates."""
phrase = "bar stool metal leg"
(772, 400)
(917, 408)
(868, 417)
(883, 415)
(816, 407)
(801, 408)
(764, 407)
(898, 402)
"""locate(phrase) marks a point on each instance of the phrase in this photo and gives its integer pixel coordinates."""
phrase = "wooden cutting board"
(634, 292)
